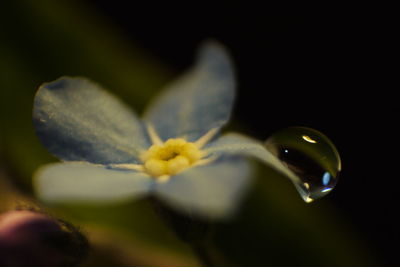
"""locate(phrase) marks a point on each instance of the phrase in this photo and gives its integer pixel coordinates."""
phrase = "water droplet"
(311, 156)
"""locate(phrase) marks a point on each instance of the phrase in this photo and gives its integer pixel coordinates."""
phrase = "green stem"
(196, 232)
(202, 253)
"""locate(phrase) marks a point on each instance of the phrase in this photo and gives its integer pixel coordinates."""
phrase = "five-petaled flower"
(174, 153)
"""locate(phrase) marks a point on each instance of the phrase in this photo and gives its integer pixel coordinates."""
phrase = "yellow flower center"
(171, 157)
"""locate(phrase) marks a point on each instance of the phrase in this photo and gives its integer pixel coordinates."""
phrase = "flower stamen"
(206, 138)
(136, 167)
(155, 139)
(205, 161)
(171, 157)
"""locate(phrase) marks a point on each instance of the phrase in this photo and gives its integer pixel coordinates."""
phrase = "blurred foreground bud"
(30, 238)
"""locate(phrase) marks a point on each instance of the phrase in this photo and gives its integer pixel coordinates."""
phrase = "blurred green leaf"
(44, 40)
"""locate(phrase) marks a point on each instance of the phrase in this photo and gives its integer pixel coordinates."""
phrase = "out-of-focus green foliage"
(43, 40)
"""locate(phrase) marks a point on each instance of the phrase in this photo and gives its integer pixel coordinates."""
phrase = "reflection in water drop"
(311, 156)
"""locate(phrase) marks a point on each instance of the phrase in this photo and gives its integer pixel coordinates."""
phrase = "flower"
(174, 153)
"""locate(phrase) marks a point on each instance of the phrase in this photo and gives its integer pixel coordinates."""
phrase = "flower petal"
(237, 144)
(79, 121)
(200, 100)
(212, 190)
(83, 182)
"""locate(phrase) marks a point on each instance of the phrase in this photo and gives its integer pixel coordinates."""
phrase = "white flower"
(174, 153)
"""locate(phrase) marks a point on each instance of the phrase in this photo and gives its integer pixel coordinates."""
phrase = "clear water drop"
(311, 156)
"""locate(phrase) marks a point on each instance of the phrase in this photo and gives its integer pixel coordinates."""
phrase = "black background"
(331, 73)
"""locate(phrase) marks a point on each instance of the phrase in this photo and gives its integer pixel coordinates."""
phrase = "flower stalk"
(196, 232)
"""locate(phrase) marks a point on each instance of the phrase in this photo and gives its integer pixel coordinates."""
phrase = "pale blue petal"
(77, 120)
(213, 191)
(78, 182)
(237, 144)
(200, 100)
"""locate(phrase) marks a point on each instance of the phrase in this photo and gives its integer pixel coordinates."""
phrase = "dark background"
(331, 73)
